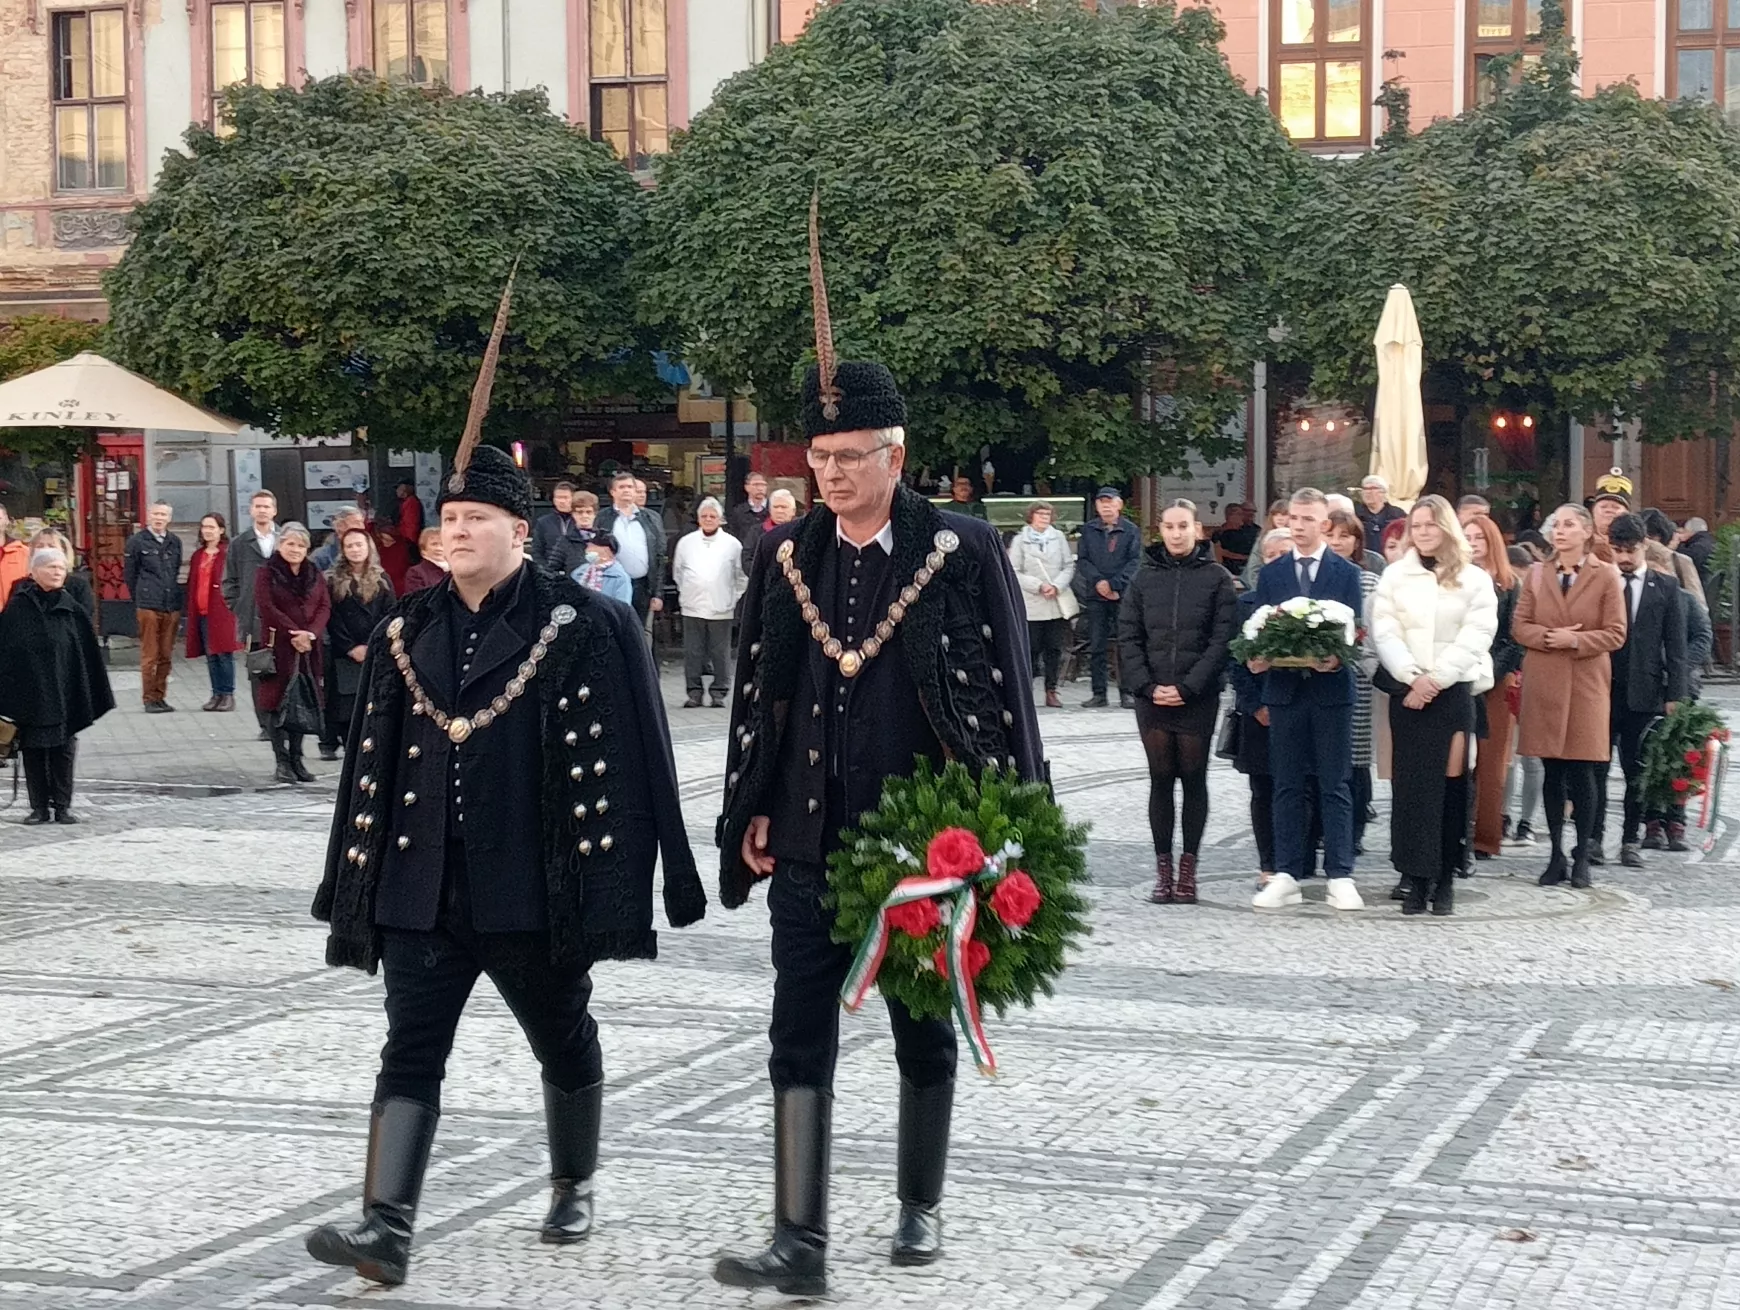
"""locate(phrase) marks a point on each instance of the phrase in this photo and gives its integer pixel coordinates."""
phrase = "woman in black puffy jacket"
(1173, 628)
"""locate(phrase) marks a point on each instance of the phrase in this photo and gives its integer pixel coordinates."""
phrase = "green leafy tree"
(1568, 255)
(1032, 213)
(34, 342)
(336, 263)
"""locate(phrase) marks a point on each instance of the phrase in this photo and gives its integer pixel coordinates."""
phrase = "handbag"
(1226, 745)
(299, 711)
(262, 661)
(8, 738)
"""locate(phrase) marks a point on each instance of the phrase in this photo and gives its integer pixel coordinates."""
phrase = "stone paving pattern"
(1531, 1105)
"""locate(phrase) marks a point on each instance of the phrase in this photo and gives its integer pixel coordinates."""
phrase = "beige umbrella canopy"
(88, 391)
(1398, 441)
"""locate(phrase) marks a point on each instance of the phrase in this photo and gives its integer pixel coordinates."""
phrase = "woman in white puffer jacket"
(1434, 616)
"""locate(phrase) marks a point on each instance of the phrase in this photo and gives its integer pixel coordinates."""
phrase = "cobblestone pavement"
(1530, 1105)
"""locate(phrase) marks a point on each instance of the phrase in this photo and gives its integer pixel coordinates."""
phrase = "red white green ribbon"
(874, 947)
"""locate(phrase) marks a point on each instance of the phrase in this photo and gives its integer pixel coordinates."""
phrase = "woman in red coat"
(294, 606)
(211, 627)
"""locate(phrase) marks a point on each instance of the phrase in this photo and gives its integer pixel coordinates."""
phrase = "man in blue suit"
(1310, 719)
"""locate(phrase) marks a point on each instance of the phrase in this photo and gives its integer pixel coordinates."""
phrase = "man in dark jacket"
(853, 661)
(640, 538)
(153, 572)
(554, 531)
(1375, 512)
(1105, 561)
(252, 547)
(1649, 674)
(507, 789)
(745, 521)
(1698, 545)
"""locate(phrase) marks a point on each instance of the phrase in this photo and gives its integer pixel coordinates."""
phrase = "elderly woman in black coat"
(1177, 617)
(52, 682)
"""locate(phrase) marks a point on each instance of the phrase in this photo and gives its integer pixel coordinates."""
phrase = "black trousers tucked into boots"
(810, 968)
(48, 776)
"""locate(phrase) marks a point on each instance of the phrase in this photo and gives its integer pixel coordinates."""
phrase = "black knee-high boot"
(922, 1161)
(401, 1133)
(797, 1262)
(571, 1119)
(36, 783)
(1454, 843)
(294, 743)
(281, 772)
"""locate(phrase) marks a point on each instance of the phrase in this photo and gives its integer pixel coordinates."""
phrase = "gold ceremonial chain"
(852, 661)
(459, 727)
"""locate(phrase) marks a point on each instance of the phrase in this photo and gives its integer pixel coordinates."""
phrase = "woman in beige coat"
(1569, 618)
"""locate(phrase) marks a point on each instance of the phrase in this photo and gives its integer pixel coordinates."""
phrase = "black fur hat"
(492, 478)
(867, 399)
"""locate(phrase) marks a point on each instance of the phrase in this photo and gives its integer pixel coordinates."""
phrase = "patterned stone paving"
(1532, 1105)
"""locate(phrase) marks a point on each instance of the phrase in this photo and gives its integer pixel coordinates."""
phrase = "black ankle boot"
(282, 772)
(1581, 859)
(1454, 843)
(797, 1262)
(1414, 895)
(922, 1160)
(379, 1248)
(1556, 872)
(295, 753)
(571, 1120)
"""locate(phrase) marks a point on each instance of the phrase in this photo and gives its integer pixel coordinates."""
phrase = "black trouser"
(707, 647)
(809, 969)
(1576, 781)
(1361, 802)
(429, 977)
(640, 597)
(48, 776)
(1263, 819)
(1047, 639)
(1628, 728)
(1102, 629)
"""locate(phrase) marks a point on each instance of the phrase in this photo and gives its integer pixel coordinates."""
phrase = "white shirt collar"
(1315, 555)
(884, 538)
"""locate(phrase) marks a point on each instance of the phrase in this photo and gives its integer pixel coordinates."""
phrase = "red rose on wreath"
(1682, 784)
(1016, 899)
(978, 956)
(1694, 757)
(954, 853)
(1700, 774)
(915, 918)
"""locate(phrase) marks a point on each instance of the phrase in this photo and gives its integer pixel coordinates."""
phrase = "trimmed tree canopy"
(337, 262)
(1028, 212)
(1570, 254)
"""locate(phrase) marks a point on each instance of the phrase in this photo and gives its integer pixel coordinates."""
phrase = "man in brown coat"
(1569, 618)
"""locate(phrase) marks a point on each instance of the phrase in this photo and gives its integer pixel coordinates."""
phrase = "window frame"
(1719, 38)
(377, 56)
(90, 101)
(214, 93)
(631, 81)
(1520, 38)
(1320, 53)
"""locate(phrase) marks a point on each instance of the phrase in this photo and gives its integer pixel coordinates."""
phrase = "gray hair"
(712, 503)
(46, 555)
(346, 515)
(1336, 500)
(892, 436)
(779, 493)
(295, 529)
(1276, 534)
(1695, 524)
(1375, 480)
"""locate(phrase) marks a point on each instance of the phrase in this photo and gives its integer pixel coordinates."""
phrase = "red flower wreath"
(915, 918)
(954, 853)
(1016, 899)
(978, 956)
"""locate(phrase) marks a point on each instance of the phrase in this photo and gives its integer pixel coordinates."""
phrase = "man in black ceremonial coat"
(818, 721)
(507, 787)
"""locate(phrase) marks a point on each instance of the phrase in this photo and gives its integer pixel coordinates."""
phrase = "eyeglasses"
(847, 461)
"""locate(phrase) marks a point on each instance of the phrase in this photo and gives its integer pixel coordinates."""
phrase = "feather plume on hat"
(830, 393)
(481, 388)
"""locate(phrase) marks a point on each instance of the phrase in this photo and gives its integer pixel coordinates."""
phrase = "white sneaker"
(1282, 890)
(1343, 895)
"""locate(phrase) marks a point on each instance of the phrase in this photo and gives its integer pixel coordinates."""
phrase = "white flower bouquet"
(1300, 633)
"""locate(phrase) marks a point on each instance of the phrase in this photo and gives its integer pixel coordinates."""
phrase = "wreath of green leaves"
(1683, 732)
(998, 808)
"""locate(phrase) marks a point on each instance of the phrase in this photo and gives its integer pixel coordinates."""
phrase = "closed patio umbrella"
(1398, 443)
(88, 391)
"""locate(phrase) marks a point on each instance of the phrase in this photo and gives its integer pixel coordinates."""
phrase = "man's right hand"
(1103, 589)
(754, 849)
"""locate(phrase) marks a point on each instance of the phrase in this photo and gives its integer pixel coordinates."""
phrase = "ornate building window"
(630, 86)
(247, 46)
(1499, 27)
(90, 100)
(1318, 83)
(410, 42)
(1704, 59)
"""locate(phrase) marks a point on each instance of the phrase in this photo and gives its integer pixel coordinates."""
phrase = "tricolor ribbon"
(963, 917)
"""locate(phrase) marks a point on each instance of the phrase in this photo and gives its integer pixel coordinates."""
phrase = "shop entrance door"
(113, 503)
